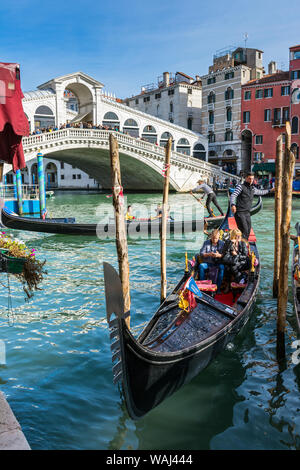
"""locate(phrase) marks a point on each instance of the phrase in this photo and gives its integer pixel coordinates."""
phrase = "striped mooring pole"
(41, 182)
(19, 191)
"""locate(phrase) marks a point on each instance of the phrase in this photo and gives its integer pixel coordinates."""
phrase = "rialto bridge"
(76, 99)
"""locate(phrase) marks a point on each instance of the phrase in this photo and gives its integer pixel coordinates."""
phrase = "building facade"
(174, 98)
(221, 106)
(267, 104)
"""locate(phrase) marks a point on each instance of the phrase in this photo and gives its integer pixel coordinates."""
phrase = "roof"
(28, 95)
(185, 75)
(294, 47)
(274, 77)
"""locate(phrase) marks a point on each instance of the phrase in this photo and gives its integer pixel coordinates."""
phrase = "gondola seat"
(207, 286)
(237, 289)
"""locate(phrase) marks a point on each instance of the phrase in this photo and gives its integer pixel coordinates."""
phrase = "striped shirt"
(239, 189)
(205, 188)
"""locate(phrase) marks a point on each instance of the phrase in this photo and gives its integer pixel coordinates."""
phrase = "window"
(258, 139)
(211, 138)
(229, 75)
(157, 96)
(295, 125)
(229, 94)
(190, 123)
(285, 90)
(79, 177)
(62, 177)
(171, 107)
(62, 165)
(211, 80)
(286, 114)
(136, 101)
(296, 55)
(277, 114)
(247, 95)
(74, 177)
(228, 114)
(295, 74)
(171, 92)
(228, 136)
(211, 117)
(190, 91)
(268, 92)
(246, 117)
(258, 156)
(258, 94)
(267, 115)
(211, 98)
(295, 150)
(146, 98)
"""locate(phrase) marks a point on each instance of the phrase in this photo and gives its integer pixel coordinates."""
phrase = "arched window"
(229, 94)
(228, 114)
(295, 125)
(211, 138)
(211, 117)
(149, 134)
(164, 139)
(111, 121)
(43, 118)
(211, 98)
(130, 127)
(183, 146)
(199, 152)
(228, 135)
(295, 150)
(171, 107)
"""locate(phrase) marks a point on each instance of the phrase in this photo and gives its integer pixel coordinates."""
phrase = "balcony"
(190, 113)
(228, 103)
(210, 106)
(210, 127)
(279, 122)
(228, 125)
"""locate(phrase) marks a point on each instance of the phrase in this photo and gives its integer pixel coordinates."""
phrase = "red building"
(266, 105)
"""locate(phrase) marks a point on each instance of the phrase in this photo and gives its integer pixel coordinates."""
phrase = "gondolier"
(211, 197)
(241, 203)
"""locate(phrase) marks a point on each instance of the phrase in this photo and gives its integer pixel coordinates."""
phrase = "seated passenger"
(235, 256)
(211, 253)
(129, 215)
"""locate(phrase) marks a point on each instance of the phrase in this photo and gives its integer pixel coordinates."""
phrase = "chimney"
(272, 67)
(166, 78)
(197, 78)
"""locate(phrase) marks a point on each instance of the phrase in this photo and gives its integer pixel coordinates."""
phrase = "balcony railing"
(279, 122)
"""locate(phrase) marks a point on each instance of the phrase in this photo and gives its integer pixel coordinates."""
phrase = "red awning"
(13, 121)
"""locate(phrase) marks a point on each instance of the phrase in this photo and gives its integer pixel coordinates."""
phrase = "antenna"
(245, 39)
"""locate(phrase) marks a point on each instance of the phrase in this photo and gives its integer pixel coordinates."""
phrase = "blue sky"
(127, 44)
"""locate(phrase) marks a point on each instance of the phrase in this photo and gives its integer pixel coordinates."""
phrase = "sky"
(128, 44)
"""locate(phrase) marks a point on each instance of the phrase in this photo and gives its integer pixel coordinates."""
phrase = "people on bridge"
(211, 196)
(211, 254)
(241, 203)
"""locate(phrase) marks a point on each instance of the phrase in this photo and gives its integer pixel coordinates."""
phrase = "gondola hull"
(296, 277)
(135, 228)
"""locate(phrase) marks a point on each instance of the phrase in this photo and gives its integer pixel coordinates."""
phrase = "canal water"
(57, 377)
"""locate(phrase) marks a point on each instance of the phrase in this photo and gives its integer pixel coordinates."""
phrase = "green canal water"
(57, 377)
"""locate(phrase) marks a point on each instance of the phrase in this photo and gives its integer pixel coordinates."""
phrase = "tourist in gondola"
(241, 203)
(211, 197)
(211, 253)
(236, 258)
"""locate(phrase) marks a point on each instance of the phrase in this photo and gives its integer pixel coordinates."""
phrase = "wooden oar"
(200, 200)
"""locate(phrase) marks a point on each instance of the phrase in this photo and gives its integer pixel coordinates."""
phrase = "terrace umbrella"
(13, 121)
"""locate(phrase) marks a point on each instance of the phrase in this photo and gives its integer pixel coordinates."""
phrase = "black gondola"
(296, 275)
(140, 228)
(175, 346)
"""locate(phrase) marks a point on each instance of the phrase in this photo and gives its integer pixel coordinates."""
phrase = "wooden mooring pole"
(121, 233)
(163, 232)
(286, 210)
(278, 202)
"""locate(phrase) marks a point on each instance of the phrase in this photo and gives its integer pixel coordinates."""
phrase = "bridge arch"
(111, 120)
(199, 152)
(43, 117)
(150, 134)
(164, 139)
(131, 127)
(85, 96)
(183, 146)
